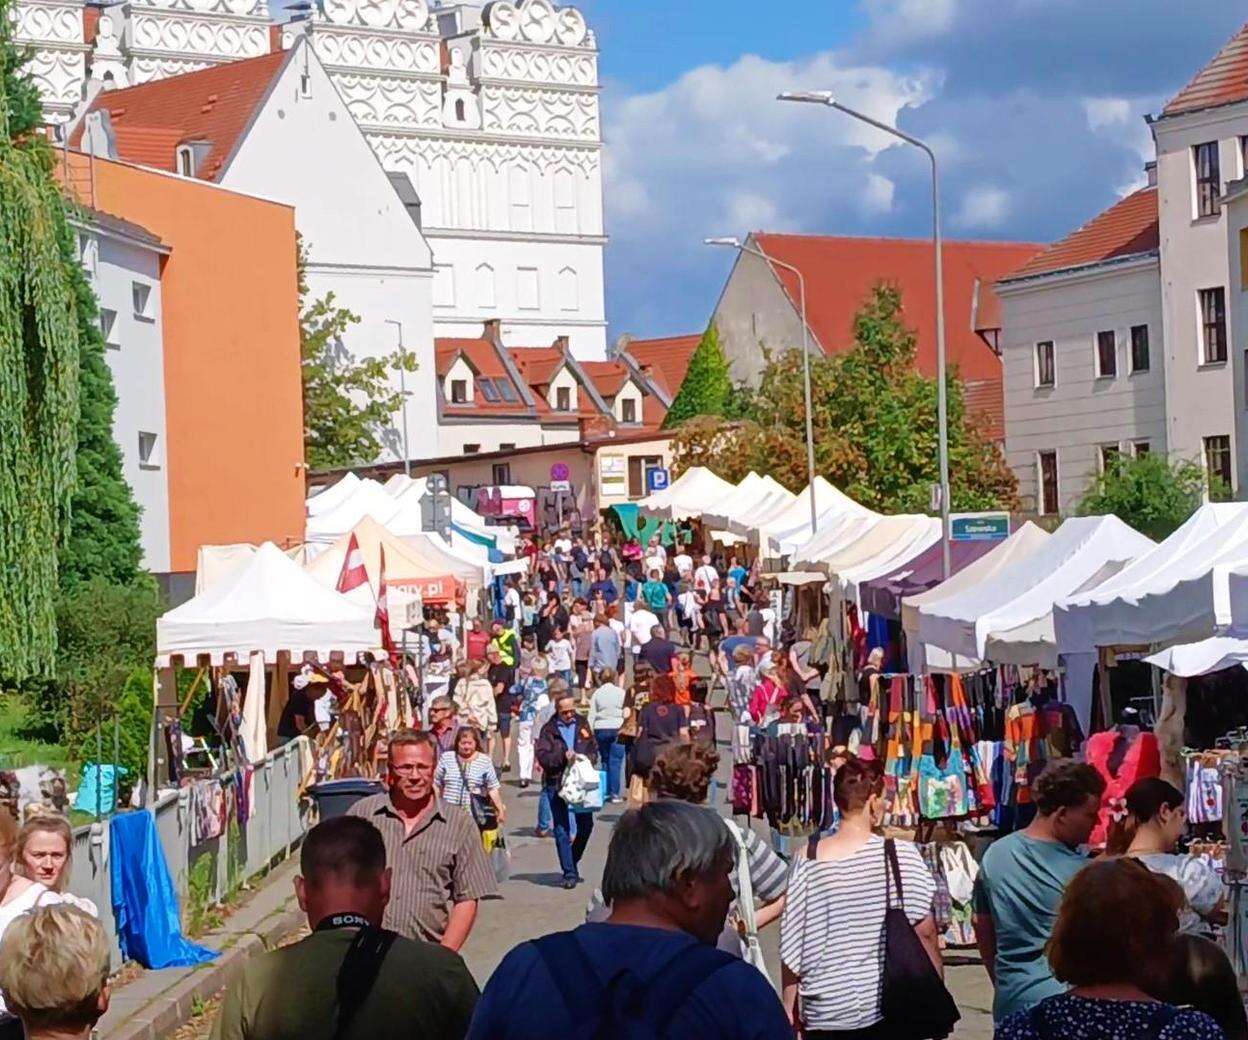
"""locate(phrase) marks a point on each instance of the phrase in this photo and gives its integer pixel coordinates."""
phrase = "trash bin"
(335, 797)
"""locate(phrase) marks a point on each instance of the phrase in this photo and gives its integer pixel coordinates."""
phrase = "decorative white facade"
(492, 113)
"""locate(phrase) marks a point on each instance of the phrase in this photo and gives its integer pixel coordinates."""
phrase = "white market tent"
(842, 532)
(739, 513)
(1176, 593)
(1026, 591)
(888, 545)
(688, 494)
(271, 605)
(1208, 655)
(409, 491)
(422, 555)
(331, 497)
(215, 564)
(775, 505)
(795, 517)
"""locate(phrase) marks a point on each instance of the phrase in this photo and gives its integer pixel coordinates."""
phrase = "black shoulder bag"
(484, 814)
(360, 968)
(913, 999)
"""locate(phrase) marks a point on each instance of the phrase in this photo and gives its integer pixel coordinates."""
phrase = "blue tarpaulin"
(145, 903)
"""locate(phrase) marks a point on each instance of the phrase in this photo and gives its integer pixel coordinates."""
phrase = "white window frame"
(1102, 449)
(1144, 444)
(535, 304)
(559, 392)
(151, 458)
(185, 156)
(141, 300)
(1096, 354)
(1148, 338)
(1202, 343)
(467, 387)
(487, 293)
(1035, 363)
(1057, 482)
(625, 403)
(108, 327)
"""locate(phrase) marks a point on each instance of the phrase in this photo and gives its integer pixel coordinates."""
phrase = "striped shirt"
(832, 931)
(439, 863)
(769, 874)
(449, 776)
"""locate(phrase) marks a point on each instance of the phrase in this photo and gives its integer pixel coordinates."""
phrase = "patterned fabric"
(1079, 1018)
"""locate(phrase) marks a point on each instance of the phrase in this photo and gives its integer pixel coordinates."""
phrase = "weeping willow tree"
(39, 360)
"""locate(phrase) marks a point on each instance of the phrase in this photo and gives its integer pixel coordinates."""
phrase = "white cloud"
(983, 208)
(1106, 112)
(878, 196)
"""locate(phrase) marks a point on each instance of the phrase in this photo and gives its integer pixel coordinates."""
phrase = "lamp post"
(825, 97)
(743, 247)
(407, 455)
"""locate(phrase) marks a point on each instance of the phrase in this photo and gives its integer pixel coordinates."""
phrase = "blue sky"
(1035, 108)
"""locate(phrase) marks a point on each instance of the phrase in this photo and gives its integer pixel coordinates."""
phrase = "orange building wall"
(233, 391)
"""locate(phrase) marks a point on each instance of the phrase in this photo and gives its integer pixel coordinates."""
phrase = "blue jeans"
(545, 821)
(570, 848)
(611, 754)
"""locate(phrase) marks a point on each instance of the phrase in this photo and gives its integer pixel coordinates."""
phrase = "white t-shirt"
(684, 564)
(35, 895)
(617, 626)
(563, 545)
(705, 576)
(639, 627)
(654, 563)
(511, 598)
(688, 605)
(559, 653)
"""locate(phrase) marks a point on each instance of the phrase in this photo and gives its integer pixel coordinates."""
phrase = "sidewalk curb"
(173, 1006)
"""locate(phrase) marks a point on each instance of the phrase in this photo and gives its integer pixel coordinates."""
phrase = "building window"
(141, 295)
(1213, 325)
(1106, 355)
(628, 410)
(527, 296)
(443, 285)
(501, 473)
(520, 198)
(1139, 348)
(148, 458)
(485, 286)
(1046, 368)
(569, 290)
(1141, 448)
(186, 161)
(1218, 466)
(1110, 453)
(563, 399)
(565, 202)
(472, 449)
(89, 255)
(1046, 474)
(459, 110)
(638, 466)
(108, 326)
(488, 390)
(507, 446)
(1208, 179)
(459, 391)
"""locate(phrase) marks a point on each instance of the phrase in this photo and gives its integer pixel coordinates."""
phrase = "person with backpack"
(355, 978)
(651, 969)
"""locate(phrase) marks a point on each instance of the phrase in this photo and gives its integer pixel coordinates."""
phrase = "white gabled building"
(259, 126)
(492, 112)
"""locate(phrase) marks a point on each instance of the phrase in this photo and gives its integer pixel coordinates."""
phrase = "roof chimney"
(562, 343)
(1150, 173)
(492, 330)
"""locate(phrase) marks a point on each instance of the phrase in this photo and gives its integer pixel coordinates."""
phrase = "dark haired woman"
(831, 933)
(1112, 943)
(1154, 820)
(1201, 977)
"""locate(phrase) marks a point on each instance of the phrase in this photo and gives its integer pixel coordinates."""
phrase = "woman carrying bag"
(857, 910)
(466, 777)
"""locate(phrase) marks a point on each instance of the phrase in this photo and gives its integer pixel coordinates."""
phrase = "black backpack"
(625, 1008)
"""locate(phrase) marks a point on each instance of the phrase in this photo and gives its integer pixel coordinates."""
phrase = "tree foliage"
(39, 376)
(1151, 493)
(874, 419)
(349, 403)
(707, 387)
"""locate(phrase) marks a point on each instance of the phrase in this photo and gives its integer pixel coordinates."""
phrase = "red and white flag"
(353, 573)
(383, 609)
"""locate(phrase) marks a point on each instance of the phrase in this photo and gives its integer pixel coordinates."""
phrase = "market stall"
(794, 520)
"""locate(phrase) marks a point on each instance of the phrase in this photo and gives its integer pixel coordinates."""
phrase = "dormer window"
(186, 160)
(628, 410)
(563, 399)
(459, 391)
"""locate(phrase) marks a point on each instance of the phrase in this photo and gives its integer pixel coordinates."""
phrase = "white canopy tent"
(1209, 655)
(755, 497)
(1176, 593)
(334, 495)
(1026, 591)
(1024, 542)
(271, 605)
(409, 491)
(687, 494)
(215, 564)
(795, 517)
(776, 505)
(888, 545)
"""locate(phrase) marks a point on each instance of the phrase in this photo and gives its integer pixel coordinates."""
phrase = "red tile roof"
(608, 376)
(840, 273)
(985, 405)
(665, 360)
(483, 356)
(214, 105)
(537, 365)
(1127, 228)
(1222, 82)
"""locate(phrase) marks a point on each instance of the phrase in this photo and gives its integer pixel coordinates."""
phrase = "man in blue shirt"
(564, 737)
(604, 586)
(652, 964)
(1021, 881)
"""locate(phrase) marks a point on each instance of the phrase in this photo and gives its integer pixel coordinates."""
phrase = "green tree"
(874, 419)
(1149, 492)
(707, 387)
(348, 402)
(39, 379)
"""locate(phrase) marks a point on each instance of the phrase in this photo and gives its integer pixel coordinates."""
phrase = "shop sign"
(979, 527)
(657, 479)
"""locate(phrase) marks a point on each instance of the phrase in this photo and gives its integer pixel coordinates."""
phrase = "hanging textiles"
(636, 524)
(145, 903)
(794, 783)
(208, 810)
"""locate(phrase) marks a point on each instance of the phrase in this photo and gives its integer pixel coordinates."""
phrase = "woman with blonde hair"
(54, 973)
(45, 847)
(18, 895)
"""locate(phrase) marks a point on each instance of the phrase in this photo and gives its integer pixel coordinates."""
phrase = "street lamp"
(407, 455)
(737, 244)
(824, 97)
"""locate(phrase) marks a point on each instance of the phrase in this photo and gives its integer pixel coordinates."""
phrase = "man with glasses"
(442, 723)
(438, 865)
(563, 738)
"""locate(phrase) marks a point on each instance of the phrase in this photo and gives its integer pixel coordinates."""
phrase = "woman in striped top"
(832, 930)
(466, 771)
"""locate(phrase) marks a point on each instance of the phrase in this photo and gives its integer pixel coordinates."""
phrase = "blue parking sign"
(656, 479)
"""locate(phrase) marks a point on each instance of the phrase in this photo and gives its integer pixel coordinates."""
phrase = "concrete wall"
(1200, 397)
(1080, 413)
(135, 356)
(753, 312)
(362, 244)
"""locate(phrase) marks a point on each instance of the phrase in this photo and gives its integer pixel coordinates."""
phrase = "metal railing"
(275, 824)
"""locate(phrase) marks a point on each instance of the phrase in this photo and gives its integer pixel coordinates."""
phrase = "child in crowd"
(560, 652)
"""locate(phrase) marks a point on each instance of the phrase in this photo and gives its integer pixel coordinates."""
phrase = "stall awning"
(1209, 655)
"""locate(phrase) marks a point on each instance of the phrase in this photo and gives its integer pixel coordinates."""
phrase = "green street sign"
(979, 527)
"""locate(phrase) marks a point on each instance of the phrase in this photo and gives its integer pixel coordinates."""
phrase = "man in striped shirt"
(438, 865)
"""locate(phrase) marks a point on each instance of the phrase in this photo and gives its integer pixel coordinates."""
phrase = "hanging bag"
(751, 949)
(484, 814)
(913, 999)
